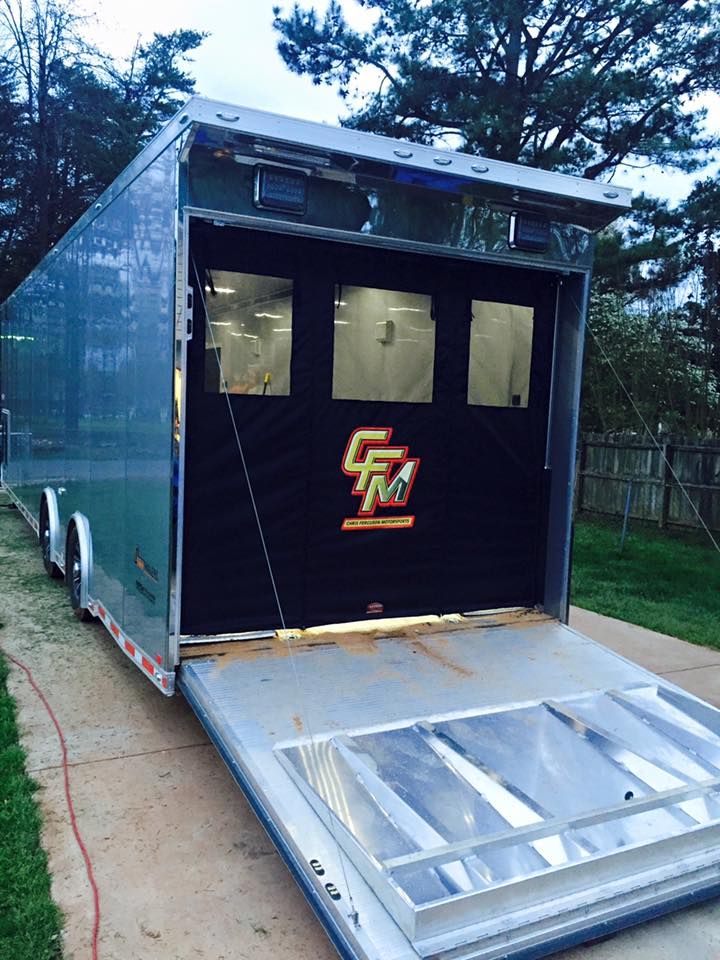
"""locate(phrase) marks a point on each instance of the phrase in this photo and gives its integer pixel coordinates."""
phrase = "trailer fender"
(79, 522)
(53, 556)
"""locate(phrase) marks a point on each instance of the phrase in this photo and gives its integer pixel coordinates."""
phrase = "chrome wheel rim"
(46, 543)
(76, 574)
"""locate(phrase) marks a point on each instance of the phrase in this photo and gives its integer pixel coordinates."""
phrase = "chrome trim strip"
(373, 240)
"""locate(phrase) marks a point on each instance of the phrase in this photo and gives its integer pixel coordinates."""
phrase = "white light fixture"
(220, 323)
(384, 331)
(269, 316)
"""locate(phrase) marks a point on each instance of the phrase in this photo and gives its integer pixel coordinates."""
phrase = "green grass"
(29, 920)
(666, 582)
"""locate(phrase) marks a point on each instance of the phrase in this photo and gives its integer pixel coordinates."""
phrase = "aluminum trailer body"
(282, 377)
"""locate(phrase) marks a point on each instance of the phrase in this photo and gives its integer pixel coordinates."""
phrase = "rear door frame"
(563, 413)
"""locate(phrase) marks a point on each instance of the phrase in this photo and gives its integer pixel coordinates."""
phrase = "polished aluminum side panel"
(32, 381)
(87, 367)
(498, 790)
(96, 476)
(149, 404)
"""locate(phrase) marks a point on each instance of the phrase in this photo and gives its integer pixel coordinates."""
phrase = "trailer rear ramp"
(495, 787)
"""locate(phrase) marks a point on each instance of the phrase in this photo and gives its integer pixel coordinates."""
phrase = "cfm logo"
(383, 476)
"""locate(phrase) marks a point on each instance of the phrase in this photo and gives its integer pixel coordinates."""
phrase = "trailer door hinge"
(189, 313)
(184, 315)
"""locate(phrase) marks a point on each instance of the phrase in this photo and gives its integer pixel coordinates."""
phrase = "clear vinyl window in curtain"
(501, 337)
(251, 327)
(384, 345)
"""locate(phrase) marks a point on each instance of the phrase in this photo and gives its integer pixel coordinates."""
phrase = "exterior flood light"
(528, 231)
(281, 189)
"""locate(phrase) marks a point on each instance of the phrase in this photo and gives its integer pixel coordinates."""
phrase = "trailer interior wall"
(87, 375)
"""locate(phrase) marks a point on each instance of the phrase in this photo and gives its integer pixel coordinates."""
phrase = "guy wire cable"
(354, 916)
(649, 432)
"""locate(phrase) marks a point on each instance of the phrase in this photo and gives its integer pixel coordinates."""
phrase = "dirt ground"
(184, 869)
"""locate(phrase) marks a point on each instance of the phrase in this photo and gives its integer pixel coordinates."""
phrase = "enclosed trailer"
(294, 411)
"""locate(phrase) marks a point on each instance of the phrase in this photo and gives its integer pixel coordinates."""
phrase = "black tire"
(52, 569)
(73, 575)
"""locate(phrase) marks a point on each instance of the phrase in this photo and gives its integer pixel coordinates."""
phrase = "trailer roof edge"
(371, 146)
(589, 196)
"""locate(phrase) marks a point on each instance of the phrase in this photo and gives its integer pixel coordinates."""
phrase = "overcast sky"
(239, 63)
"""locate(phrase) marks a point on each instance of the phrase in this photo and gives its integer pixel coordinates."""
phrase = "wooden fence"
(611, 467)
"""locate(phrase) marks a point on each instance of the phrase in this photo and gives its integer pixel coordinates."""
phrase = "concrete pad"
(654, 651)
(692, 934)
(183, 867)
(185, 870)
(694, 668)
(704, 682)
(107, 707)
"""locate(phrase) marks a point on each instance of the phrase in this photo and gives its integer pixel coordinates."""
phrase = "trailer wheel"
(52, 569)
(73, 576)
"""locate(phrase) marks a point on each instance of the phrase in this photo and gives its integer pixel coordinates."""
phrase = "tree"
(39, 36)
(701, 248)
(650, 346)
(74, 120)
(655, 308)
(579, 86)
(147, 88)
(644, 253)
(10, 160)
